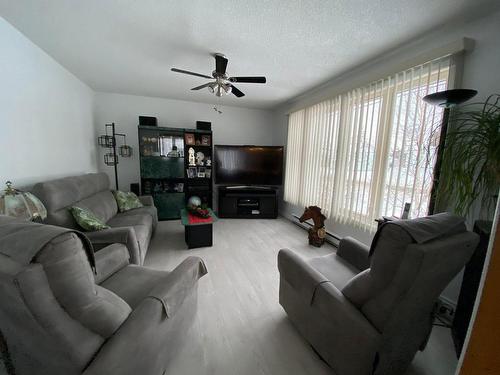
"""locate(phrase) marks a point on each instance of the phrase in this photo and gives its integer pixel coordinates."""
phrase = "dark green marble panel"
(161, 167)
(169, 205)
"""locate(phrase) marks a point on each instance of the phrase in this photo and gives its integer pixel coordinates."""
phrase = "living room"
(351, 109)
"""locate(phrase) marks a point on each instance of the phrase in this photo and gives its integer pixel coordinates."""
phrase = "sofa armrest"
(123, 235)
(149, 331)
(110, 260)
(301, 276)
(355, 252)
(178, 285)
(146, 200)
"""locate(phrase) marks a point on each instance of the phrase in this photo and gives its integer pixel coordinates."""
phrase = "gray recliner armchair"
(369, 310)
(65, 311)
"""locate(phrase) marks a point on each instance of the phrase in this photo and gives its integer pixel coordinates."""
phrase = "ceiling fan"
(223, 84)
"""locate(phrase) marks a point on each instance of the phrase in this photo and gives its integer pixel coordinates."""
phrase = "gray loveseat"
(370, 314)
(132, 228)
(65, 312)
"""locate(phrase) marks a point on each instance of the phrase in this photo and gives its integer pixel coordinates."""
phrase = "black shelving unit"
(165, 172)
(162, 168)
(201, 142)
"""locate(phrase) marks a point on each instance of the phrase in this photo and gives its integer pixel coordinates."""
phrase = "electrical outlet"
(445, 310)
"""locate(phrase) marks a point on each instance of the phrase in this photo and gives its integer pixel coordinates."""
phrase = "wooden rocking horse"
(317, 233)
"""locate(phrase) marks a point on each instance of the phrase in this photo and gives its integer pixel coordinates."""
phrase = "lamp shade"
(125, 151)
(21, 204)
(449, 98)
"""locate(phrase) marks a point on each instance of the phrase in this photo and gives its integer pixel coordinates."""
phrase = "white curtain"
(367, 152)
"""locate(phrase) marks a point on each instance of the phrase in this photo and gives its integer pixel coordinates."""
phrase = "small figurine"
(317, 233)
(208, 162)
(199, 158)
(191, 158)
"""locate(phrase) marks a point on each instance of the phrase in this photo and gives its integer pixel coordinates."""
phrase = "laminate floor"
(240, 328)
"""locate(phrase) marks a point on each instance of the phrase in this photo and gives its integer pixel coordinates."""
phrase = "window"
(368, 152)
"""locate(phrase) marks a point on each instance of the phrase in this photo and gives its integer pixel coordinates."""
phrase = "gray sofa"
(66, 312)
(132, 228)
(370, 314)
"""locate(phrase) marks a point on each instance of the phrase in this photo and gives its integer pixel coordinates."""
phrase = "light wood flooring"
(240, 328)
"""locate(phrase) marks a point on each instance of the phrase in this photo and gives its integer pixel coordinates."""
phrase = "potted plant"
(471, 163)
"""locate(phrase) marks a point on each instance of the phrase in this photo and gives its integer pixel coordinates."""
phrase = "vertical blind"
(369, 151)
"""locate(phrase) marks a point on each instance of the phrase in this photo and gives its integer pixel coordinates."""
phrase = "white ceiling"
(129, 46)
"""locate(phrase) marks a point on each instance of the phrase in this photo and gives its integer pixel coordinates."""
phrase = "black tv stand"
(250, 202)
(248, 187)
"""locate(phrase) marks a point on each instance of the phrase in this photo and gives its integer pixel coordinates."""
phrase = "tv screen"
(249, 165)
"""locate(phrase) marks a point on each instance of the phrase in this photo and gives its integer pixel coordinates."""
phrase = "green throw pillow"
(87, 220)
(126, 201)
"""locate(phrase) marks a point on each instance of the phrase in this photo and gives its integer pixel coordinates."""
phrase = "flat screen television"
(248, 165)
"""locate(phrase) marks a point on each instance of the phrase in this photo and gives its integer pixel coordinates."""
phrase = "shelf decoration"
(108, 141)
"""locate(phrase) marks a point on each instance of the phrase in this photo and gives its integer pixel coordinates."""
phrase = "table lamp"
(21, 204)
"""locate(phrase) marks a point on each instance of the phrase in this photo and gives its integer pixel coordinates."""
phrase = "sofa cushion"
(133, 283)
(87, 220)
(334, 268)
(126, 201)
(124, 220)
(145, 210)
(64, 192)
(102, 204)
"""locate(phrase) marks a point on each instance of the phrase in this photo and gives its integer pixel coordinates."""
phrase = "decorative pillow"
(87, 220)
(126, 201)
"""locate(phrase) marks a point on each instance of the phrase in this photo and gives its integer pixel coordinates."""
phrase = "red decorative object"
(317, 233)
(194, 219)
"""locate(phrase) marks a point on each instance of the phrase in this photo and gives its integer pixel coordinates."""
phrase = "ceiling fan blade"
(202, 86)
(190, 73)
(220, 63)
(248, 79)
(236, 92)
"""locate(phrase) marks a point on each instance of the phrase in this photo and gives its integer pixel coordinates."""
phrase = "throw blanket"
(23, 240)
(424, 229)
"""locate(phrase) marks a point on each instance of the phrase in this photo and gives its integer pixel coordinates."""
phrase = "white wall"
(481, 72)
(46, 115)
(234, 126)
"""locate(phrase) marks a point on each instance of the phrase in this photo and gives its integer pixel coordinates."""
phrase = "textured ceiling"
(129, 46)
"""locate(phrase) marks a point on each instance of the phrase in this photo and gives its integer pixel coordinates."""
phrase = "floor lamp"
(109, 141)
(446, 99)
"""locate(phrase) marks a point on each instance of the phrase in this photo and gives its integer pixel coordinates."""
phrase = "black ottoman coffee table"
(197, 231)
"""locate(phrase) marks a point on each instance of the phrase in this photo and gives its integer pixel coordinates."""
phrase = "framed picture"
(189, 139)
(208, 172)
(191, 172)
(205, 140)
(201, 172)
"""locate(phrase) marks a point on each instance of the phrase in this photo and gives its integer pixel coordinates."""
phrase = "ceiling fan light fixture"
(212, 87)
(223, 84)
(219, 91)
